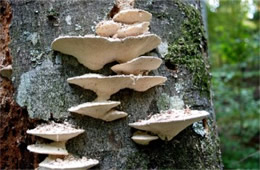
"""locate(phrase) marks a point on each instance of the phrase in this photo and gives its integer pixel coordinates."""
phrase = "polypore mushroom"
(6, 71)
(140, 65)
(94, 108)
(113, 115)
(107, 28)
(143, 138)
(132, 30)
(99, 110)
(55, 148)
(105, 86)
(131, 16)
(95, 51)
(117, 30)
(55, 131)
(68, 162)
(169, 123)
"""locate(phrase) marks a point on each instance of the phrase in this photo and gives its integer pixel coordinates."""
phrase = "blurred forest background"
(234, 36)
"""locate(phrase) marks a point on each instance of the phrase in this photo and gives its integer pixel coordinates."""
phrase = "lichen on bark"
(14, 120)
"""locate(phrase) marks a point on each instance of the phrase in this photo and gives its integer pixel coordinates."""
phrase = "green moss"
(188, 49)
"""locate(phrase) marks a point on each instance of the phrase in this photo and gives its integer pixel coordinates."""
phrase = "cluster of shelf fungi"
(124, 39)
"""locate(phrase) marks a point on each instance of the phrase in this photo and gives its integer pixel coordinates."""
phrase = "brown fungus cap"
(168, 124)
(95, 51)
(55, 131)
(55, 148)
(131, 16)
(105, 86)
(141, 65)
(69, 162)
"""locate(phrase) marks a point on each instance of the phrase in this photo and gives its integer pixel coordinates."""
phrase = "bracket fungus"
(122, 39)
(68, 162)
(113, 115)
(117, 30)
(107, 28)
(99, 110)
(55, 148)
(131, 16)
(105, 86)
(95, 51)
(55, 131)
(132, 30)
(140, 65)
(168, 124)
(95, 108)
(143, 138)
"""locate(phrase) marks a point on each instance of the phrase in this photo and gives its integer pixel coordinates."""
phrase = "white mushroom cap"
(131, 16)
(95, 51)
(137, 66)
(99, 110)
(169, 123)
(55, 131)
(143, 138)
(69, 162)
(133, 30)
(96, 109)
(105, 86)
(55, 148)
(107, 28)
(113, 115)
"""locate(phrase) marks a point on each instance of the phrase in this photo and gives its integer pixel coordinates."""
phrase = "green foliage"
(234, 46)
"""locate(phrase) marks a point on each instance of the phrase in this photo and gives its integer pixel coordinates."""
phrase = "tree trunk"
(39, 77)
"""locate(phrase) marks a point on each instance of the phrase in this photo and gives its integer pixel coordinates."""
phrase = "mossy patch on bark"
(190, 48)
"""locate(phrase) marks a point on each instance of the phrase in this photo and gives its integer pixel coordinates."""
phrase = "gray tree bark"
(39, 76)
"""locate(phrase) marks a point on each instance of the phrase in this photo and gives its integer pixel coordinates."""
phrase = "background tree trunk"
(39, 77)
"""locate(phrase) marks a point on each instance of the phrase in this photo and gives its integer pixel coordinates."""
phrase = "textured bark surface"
(14, 121)
(39, 77)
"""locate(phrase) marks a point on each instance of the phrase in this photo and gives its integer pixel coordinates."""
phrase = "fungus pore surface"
(168, 124)
(55, 148)
(99, 110)
(105, 86)
(55, 131)
(140, 65)
(68, 162)
(95, 51)
(143, 138)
